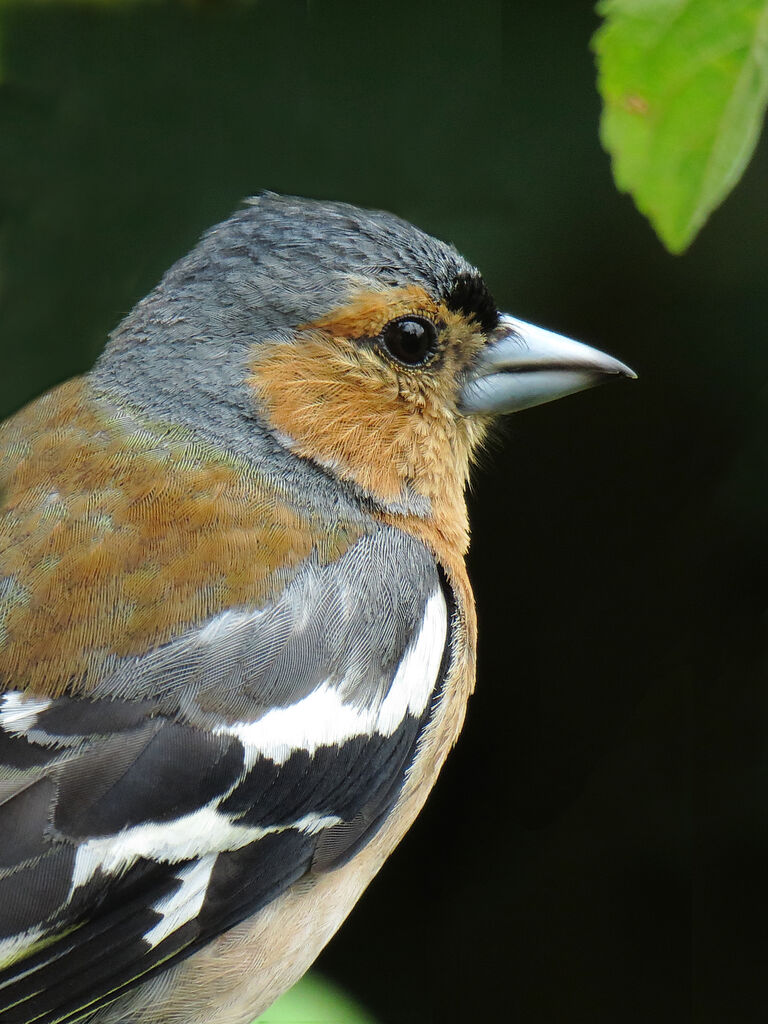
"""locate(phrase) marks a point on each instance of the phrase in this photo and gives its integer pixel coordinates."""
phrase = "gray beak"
(522, 365)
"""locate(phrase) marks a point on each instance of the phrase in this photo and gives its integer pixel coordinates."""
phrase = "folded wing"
(196, 783)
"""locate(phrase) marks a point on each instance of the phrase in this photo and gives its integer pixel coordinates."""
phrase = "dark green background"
(596, 848)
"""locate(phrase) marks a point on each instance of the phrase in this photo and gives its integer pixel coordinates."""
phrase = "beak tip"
(622, 369)
(604, 366)
(525, 365)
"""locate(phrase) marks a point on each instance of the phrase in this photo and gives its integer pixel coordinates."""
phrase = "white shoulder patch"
(324, 718)
(417, 673)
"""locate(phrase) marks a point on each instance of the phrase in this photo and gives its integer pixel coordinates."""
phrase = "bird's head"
(354, 339)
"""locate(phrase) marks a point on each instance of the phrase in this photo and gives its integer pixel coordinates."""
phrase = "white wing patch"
(184, 904)
(196, 835)
(323, 718)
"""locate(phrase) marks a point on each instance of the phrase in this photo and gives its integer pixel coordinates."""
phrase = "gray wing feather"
(349, 620)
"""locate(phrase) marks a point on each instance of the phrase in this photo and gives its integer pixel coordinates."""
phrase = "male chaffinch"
(237, 636)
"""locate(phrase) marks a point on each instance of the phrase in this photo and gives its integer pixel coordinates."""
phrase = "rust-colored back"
(116, 536)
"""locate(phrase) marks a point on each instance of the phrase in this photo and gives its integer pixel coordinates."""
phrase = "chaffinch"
(237, 636)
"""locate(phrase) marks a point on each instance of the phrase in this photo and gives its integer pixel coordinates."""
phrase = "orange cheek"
(388, 430)
(341, 407)
(339, 402)
(338, 406)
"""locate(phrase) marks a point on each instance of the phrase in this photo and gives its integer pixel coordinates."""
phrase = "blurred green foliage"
(685, 86)
(315, 1001)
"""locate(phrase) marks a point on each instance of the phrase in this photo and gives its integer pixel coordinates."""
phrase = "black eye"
(410, 340)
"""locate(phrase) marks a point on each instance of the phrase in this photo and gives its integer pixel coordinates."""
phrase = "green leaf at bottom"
(314, 1001)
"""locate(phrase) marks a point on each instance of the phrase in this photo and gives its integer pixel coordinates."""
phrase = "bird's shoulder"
(118, 533)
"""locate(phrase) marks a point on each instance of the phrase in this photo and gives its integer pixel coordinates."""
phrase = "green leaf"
(684, 86)
(314, 1001)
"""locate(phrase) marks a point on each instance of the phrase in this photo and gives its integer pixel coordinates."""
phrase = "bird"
(237, 635)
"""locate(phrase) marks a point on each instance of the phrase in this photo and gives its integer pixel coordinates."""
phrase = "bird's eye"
(411, 340)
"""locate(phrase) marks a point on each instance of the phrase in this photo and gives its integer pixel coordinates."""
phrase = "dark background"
(596, 848)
